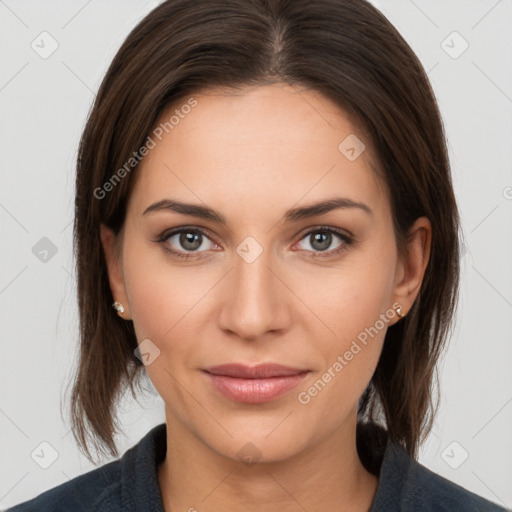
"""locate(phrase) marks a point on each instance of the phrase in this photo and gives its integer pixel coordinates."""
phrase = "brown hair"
(346, 50)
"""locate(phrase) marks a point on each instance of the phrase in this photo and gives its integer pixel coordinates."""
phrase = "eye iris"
(190, 238)
(324, 239)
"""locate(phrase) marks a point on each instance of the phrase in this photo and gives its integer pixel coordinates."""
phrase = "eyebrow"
(292, 215)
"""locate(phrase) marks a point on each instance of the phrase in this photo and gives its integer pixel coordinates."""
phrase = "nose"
(254, 298)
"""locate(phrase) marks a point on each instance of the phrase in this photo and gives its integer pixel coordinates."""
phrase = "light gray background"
(44, 103)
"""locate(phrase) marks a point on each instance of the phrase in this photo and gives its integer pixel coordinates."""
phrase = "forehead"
(257, 146)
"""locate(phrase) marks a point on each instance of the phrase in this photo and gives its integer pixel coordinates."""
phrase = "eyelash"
(347, 241)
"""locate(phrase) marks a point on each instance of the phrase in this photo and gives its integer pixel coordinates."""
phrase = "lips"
(254, 384)
(261, 371)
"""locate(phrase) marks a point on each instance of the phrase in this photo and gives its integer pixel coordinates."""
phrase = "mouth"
(254, 384)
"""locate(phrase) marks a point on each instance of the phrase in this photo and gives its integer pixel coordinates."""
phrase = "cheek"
(151, 299)
(355, 303)
(159, 292)
(350, 296)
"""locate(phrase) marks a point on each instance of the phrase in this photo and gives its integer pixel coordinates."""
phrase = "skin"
(251, 156)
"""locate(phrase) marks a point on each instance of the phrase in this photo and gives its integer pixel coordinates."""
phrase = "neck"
(329, 475)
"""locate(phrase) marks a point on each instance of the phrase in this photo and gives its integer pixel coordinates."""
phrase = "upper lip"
(259, 371)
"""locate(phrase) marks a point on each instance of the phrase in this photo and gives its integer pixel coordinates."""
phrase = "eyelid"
(332, 229)
(174, 231)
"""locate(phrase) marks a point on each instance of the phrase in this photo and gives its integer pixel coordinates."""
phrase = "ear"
(112, 251)
(411, 267)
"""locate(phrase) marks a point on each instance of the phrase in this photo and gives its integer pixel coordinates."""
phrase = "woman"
(263, 194)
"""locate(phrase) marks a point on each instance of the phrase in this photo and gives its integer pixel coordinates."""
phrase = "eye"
(188, 243)
(320, 239)
(184, 242)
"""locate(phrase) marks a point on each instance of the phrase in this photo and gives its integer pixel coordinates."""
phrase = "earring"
(118, 307)
(399, 312)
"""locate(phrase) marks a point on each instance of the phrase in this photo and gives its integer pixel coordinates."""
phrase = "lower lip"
(255, 391)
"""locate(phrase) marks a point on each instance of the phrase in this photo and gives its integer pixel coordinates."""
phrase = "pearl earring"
(118, 307)
(399, 312)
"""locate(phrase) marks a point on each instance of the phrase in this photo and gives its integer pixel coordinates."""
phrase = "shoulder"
(405, 485)
(127, 484)
(414, 487)
(91, 491)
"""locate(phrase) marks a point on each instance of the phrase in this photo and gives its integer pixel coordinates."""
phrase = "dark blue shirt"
(130, 484)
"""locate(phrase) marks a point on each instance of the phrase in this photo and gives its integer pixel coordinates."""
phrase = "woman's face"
(270, 283)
